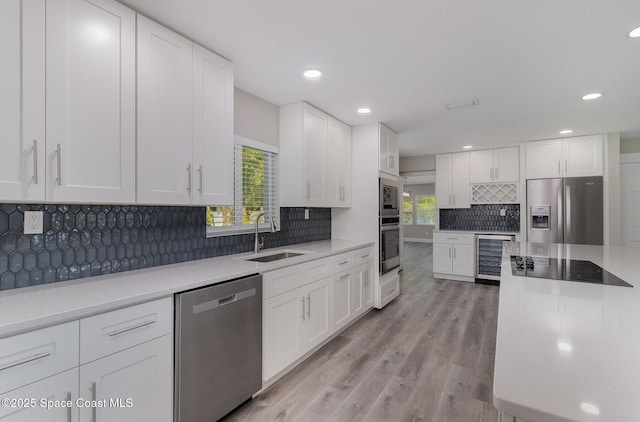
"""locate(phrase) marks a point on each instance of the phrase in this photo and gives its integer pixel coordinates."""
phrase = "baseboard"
(454, 277)
(412, 239)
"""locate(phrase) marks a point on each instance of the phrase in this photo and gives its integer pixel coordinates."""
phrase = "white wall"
(418, 163)
(255, 118)
(628, 146)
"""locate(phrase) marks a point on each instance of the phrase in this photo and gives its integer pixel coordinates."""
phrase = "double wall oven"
(389, 224)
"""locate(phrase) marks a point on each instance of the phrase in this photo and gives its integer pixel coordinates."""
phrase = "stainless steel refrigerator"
(565, 210)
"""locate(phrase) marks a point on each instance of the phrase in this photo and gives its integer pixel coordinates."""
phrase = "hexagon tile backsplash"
(484, 218)
(82, 241)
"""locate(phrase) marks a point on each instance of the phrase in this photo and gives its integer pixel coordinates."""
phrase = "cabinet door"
(339, 164)
(481, 168)
(543, 159)
(165, 118)
(212, 128)
(443, 181)
(357, 292)
(442, 258)
(394, 153)
(90, 90)
(367, 286)
(341, 291)
(463, 260)
(282, 341)
(315, 155)
(388, 151)
(461, 189)
(143, 374)
(317, 326)
(506, 163)
(583, 156)
(61, 387)
(22, 100)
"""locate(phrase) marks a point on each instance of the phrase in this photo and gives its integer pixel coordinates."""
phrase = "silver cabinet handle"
(94, 396)
(308, 190)
(309, 305)
(449, 199)
(130, 328)
(454, 253)
(346, 261)
(344, 276)
(559, 168)
(68, 407)
(365, 256)
(454, 199)
(302, 308)
(565, 167)
(59, 165)
(497, 173)
(25, 360)
(189, 175)
(34, 151)
(200, 177)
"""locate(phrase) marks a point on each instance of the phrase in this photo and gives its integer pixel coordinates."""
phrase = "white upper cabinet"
(22, 133)
(315, 158)
(212, 128)
(165, 118)
(185, 120)
(339, 163)
(90, 102)
(452, 180)
(389, 151)
(569, 157)
(495, 165)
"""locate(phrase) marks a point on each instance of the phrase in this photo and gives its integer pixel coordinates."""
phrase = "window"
(425, 210)
(407, 209)
(255, 191)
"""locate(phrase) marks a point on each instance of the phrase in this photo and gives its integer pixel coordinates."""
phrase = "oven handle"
(389, 227)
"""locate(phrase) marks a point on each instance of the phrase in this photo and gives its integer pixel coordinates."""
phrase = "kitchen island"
(565, 350)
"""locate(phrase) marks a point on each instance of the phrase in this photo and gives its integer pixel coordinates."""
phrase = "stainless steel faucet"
(260, 244)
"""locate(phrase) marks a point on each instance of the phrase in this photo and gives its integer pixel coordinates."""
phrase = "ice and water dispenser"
(540, 217)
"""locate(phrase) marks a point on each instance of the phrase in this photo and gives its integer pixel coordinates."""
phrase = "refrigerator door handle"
(567, 192)
(560, 216)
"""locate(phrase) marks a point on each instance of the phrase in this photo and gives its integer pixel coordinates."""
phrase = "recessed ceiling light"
(364, 110)
(312, 74)
(590, 408)
(566, 131)
(467, 147)
(565, 346)
(634, 33)
(592, 96)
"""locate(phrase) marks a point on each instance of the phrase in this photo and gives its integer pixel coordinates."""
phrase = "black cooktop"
(563, 269)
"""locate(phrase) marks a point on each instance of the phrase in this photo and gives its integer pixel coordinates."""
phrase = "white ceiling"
(528, 62)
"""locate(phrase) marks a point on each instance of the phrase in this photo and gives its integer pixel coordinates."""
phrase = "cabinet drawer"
(361, 256)
(341, 262)
(35, 355)
(461, 238)
(107, 333)
(289, 278)
(389, 290)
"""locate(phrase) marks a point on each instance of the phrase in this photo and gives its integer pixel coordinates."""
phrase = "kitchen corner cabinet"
(389, 151)
(569, 157)
(454, 254)
(494, 165)
(185, 120)
(452, 180)
(69, 93)
(315, 158)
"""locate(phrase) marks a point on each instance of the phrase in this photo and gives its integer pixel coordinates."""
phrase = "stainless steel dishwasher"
(218, 348)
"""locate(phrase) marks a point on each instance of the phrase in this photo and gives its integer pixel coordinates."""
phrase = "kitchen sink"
(274, 257)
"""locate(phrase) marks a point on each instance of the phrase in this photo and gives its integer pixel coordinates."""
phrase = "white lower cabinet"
(305, 304)
(454, 254)
(135, 384)
(35, 402)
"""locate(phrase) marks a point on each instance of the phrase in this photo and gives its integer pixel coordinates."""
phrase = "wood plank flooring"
(427, 356)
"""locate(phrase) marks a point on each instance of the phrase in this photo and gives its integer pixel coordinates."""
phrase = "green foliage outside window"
(407, 210)
(425, 210)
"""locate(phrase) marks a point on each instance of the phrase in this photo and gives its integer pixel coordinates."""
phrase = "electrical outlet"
(33, 222)
(503, 212)
(306, 214)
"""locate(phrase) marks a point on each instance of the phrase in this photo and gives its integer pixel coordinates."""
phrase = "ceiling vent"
(463, 104)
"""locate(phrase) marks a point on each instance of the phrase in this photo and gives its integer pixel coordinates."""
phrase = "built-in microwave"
(389, 199)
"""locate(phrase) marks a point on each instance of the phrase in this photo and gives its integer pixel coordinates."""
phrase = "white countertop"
(33, 307)
(534, 378)
(477, 232)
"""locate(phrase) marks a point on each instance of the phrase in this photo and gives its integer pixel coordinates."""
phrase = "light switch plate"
(33, 222)
(306, 214)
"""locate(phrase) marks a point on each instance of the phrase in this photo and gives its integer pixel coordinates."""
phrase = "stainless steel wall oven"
(389, 225)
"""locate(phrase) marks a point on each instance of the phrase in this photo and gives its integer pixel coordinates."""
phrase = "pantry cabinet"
(69, 104)
(315, 158)
(494, 165)
(569, 157)
(452, 180)
(185, 120)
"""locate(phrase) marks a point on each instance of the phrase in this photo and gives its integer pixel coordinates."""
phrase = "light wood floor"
(427, 356)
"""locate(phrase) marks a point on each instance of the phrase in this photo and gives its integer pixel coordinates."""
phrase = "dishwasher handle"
(222, 301)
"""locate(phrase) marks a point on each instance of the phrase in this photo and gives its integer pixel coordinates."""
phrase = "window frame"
(250, 228)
